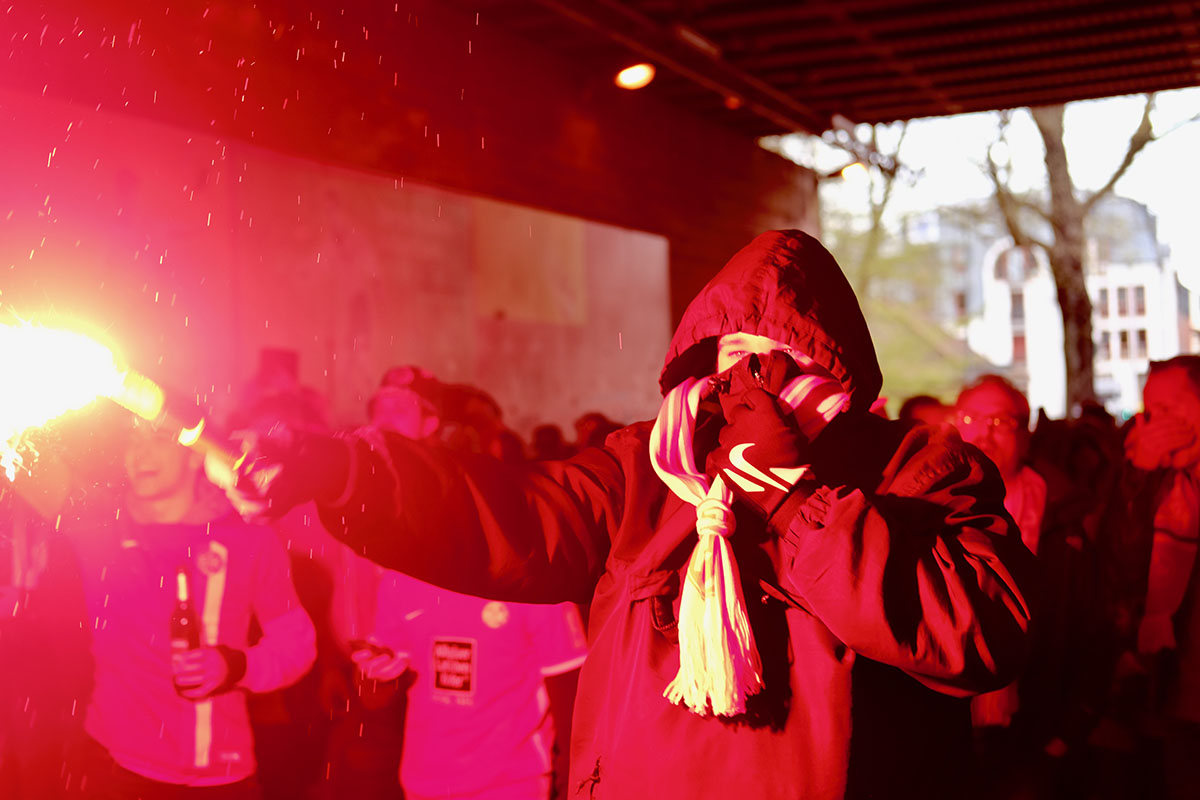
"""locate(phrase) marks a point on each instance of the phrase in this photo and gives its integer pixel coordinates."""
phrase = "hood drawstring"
(719, 665)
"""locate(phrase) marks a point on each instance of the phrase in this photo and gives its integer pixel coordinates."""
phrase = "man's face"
(1168, 430)
(158, 466)
(733, 347)
(988, 417)
(1169, 395)
(404, 412)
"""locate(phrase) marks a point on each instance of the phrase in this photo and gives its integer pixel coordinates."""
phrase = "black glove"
(285, 469)
(761, 449)
(207, 671)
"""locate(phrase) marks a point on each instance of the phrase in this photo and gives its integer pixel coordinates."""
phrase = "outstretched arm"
(530, 533)
(287, 648)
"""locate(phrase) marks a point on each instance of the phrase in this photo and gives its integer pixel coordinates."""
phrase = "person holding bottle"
(172, 581)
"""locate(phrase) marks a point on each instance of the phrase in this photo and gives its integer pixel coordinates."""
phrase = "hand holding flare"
(283, 469)
(60, 371)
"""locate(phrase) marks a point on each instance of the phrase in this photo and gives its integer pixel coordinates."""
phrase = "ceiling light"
(635, 77)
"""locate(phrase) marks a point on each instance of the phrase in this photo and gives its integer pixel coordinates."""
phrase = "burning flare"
(49, 372)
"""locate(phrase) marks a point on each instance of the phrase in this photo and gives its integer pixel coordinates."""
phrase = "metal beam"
(995, 99)
(1026, 70)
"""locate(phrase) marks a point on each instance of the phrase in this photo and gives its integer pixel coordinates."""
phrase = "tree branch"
(1009, 205)
(1174, 128)
(1143, 136)
(874, 240)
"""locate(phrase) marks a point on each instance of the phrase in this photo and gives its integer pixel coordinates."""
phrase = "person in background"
(316, 738)
(1063, 690)
(592, 428)
(993, 415)
(40, 608)
(547, 443)
(165, 723)
(926, 409)
(1164, 441)
(490, 684)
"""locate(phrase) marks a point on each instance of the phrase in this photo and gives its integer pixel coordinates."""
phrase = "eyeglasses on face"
(1001, 423)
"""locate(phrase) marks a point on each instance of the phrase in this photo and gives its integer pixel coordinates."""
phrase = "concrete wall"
(189, 254)
(202, 95)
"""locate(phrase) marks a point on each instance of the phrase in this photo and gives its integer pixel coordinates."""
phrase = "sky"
(948, 152)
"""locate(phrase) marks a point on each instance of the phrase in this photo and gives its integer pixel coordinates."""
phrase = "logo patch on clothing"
(495, 614)
(210, 562)
(454, 665)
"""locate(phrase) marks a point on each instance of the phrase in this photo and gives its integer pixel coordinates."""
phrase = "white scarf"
(719, 666)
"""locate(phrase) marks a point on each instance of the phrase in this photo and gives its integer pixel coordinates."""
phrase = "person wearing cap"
(160, 723)
(489, 684)
(791, 597)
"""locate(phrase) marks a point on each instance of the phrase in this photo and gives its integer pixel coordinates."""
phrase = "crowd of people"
(787, 594)
(335, 658)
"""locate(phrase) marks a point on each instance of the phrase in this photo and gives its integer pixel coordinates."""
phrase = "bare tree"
(1061, 214)
(897, 281)
(862, 263)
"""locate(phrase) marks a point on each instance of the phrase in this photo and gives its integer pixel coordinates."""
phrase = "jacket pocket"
(659, 589)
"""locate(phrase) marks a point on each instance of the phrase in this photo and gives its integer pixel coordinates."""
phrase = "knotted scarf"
(719, 665)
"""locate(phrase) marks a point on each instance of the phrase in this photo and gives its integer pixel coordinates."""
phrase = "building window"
(1102, 302)
(1122, 301)
(1019, 347)
(1141, 348)
(1018, 265)
(1123, 344)
(1105, 346)
(1139, 300)
(1018, 307)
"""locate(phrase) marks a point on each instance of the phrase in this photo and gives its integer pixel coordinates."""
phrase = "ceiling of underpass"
(767, 67)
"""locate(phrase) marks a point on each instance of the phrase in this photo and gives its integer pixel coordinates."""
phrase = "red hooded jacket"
(878, 601)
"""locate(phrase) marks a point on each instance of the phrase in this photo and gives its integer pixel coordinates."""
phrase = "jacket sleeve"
(287, 648)
(536, 533)
(927, 573)
(1173, 554)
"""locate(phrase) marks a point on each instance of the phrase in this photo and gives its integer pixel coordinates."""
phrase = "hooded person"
(790, 596)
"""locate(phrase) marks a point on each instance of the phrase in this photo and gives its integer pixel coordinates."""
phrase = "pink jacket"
(236, 571)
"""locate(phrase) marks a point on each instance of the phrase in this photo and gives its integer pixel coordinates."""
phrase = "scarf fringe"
(719, 665)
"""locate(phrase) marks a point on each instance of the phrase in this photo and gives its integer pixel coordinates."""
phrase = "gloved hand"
(762, 451)
(207, 671)
(284, 469)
